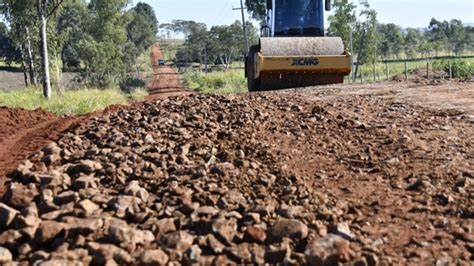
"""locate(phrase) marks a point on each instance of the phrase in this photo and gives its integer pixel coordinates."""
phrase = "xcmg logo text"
(305, 62)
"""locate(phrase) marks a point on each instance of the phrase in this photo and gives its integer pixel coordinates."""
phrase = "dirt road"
(165, 81)
(380, 173)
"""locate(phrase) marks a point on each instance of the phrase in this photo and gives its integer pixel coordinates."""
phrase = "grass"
(230, 81)
(397, 68)
(80, 101)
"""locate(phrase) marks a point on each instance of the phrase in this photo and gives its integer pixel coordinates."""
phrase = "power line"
(222, 10)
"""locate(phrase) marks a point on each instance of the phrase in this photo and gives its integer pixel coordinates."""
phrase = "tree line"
(218, 45)
(101, 39)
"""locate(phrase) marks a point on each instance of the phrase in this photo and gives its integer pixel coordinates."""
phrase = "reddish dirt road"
(166, 81)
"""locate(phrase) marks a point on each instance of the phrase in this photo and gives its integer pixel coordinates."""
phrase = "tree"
(257, 9)
(8, 51)
(46, 8)
(72, 24)
(141, 32)
(343, 21)
(412, 39)
(102, 50)
(458, 38)
(391, 40)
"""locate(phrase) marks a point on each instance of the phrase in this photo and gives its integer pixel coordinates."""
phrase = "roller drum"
(301, 46)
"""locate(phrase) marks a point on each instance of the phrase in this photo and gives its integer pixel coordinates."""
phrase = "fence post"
(450, 70)
(361, 74)
(428, 70)
(406, 71)
(386, 69)
(375, 72)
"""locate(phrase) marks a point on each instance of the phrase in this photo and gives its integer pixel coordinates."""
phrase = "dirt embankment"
(24, 132)
(365, 175)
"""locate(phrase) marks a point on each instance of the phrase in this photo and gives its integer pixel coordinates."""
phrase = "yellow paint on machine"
(315, 63)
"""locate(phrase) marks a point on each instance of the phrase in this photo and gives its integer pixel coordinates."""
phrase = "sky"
(406, 13)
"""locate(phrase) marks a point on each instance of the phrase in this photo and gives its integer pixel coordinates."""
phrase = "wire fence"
(401, 69)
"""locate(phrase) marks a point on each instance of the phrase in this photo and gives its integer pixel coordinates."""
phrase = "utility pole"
(243, 26)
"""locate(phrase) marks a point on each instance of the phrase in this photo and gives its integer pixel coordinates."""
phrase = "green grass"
(230, 81)
(80, 101)
(396, 68)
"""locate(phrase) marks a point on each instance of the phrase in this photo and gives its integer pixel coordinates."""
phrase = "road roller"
(293, 51)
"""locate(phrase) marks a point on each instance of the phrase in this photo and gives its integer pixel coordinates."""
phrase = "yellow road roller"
(293, 51)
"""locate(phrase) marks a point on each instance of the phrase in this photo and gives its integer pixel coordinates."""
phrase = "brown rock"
(88, 207)
(84, 182)
(66, 197)
(166, 225)
(294, 229)
(7, 214)
(20, 196)
(255, 234)
(154, 257)
(239, 254)
(328, 250)
(49, 230)
(180, 240)
(107, 253)
(5, 256)
(224, 229)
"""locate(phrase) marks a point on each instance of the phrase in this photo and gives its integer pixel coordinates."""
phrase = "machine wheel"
(252, 82)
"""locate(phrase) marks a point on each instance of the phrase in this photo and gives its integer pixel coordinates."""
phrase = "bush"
(460, 69)
(231, 81)
(130, 84)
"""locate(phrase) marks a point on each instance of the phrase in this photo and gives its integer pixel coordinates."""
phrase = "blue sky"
(406, 13)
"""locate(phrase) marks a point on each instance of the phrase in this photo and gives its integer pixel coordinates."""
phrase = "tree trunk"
(31, 63)
(44, 46)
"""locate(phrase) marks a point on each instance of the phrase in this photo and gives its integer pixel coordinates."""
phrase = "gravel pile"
(192, 180)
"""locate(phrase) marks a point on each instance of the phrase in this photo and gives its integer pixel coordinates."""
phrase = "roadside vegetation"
(72, 102)
(231, 81)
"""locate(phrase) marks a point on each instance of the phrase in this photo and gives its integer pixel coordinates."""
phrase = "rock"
(52, 148)
(84, 182)
(49, 230)
(210, 242)
(287, 228)
(328, 250)
(180, 240)
(84, 167)
(7, 214)
(194, 253)
(255, 234)
(66, 197)
(166, 225)
(224, 229)
(342, 230)
(122, 234)
(20, 196)
(154, 257)
(290, 212)
(5, 256)
(239, 254)
(134, 189)
(83, 226)
(9, 237)
(107, 253)
(88, 207)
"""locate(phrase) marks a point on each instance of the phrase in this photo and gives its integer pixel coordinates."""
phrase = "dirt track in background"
(165, 81)
(384, 171)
